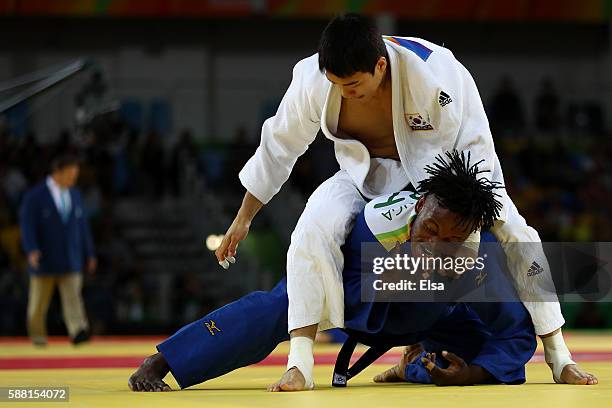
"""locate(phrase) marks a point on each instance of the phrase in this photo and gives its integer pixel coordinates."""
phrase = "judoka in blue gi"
(450, 343)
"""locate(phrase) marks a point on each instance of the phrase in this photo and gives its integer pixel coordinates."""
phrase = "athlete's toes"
(137, 386)
(274, 387)
(592, 380)
(161, 386)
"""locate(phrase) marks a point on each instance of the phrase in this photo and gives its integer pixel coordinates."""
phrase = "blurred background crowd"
(165, 111)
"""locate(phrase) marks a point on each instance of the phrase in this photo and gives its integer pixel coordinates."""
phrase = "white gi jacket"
(436, 108)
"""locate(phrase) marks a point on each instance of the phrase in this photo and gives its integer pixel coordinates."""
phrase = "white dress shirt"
(61, 198)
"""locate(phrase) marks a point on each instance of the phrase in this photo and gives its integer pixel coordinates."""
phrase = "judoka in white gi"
(390, 105)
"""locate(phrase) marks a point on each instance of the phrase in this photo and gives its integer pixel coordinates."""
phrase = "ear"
(419, 205)
(381, 64)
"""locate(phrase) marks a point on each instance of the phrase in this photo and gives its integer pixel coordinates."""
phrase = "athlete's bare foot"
(292, 380)
(572, 374)
(397, 372)
(150, 375)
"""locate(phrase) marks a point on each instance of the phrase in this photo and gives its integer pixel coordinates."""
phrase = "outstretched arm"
(287, 135)
(284, 137)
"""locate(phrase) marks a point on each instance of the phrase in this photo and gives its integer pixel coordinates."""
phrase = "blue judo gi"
(496, 336)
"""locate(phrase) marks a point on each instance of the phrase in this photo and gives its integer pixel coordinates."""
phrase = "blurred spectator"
(240, 150)
(14, 182)
(184, 161)
(91, 101)
(547, 107)
(57, 239)
(153, 163)
(506, 110)
(30, 155)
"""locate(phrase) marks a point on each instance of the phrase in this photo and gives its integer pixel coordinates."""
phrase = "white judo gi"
(436, 108)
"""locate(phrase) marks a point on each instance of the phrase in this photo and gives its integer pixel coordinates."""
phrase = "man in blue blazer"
(57, 240)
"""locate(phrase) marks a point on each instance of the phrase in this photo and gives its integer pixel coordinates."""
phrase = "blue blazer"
(64, 246)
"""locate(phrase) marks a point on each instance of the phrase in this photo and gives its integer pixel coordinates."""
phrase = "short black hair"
(64, 160)
(350, 43)
(459, 188)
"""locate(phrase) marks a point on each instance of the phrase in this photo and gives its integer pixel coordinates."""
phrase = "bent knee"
(330, 216)
(333, 223)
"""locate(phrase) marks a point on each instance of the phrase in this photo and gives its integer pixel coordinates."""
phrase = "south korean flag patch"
(416, 121)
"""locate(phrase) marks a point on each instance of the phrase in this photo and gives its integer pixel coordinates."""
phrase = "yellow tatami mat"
(107, 387)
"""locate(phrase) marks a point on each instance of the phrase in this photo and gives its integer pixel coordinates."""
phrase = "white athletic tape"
(557, 354)
(301, 357)
(231, 259)
(224, 264)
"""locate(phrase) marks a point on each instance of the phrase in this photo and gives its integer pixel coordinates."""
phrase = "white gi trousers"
(315, 260)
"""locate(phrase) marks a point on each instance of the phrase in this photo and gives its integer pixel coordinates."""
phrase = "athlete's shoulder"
(309, 85)
(308, 69)
(307, 74)
(427, 51)
(309, 63)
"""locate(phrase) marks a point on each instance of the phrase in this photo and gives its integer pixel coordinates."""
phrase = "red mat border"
(21, 340)
(55, 362)
(8, 340)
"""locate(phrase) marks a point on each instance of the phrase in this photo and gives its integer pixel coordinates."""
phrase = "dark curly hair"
(459, 188)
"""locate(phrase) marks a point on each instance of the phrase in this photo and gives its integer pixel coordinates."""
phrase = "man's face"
(360, 85)
(435, 223)
(67, 176)
(436, 232)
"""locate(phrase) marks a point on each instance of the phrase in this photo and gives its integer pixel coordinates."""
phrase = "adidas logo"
(535, 269)
(444, 98)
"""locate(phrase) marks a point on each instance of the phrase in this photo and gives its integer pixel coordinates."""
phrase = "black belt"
(379, 344)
